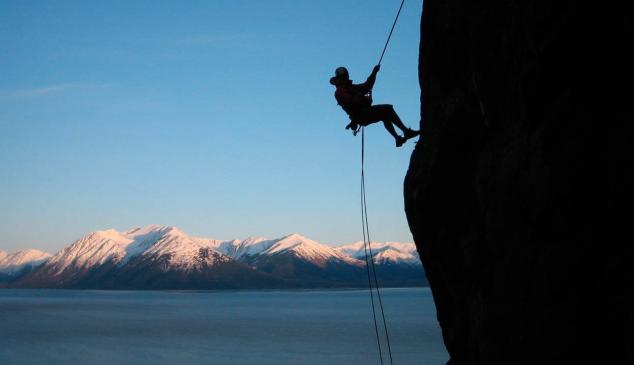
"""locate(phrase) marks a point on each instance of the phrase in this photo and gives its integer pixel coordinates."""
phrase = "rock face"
(518, 194)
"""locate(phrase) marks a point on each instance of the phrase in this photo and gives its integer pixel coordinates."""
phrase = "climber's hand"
(376, 68)
(354, 127)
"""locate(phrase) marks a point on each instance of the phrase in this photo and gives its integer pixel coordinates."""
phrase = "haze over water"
(219, 327)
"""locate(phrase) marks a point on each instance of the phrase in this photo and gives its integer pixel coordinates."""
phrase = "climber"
(356, 100)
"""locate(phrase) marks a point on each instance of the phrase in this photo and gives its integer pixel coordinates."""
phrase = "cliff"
(518, 194)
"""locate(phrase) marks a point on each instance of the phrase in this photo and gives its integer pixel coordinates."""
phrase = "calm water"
(223, 327)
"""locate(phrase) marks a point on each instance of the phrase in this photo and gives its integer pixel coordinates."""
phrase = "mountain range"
(164, 257)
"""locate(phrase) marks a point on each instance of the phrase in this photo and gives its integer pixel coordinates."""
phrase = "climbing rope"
(387, 42)
(367, 247)
(391, 30)
(369, 260)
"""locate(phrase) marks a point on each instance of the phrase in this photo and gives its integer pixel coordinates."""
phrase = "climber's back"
(355, 99)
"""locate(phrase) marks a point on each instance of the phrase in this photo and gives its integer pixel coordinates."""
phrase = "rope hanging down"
(369, 261)
(369, 256)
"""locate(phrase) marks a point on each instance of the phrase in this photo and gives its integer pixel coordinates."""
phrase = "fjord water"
(214, 327)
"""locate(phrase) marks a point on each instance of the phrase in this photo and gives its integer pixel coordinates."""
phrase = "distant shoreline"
(221, 290)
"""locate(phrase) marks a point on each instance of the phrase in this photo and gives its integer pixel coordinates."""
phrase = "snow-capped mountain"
(113, 247)
(384, 253)
(179, 249)
(165, 257)
(238, 250)
(108, 259)
(295, 244)
(17, 262)
(299, 260)
(309, 250)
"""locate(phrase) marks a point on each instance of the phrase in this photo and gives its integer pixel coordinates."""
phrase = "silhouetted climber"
(356, 100)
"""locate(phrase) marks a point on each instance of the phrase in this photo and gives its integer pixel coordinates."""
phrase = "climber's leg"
(384, 113)
(390, 114)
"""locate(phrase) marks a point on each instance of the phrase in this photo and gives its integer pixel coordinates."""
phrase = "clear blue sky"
(213, 116)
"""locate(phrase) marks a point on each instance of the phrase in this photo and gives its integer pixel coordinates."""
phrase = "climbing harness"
(367, 247)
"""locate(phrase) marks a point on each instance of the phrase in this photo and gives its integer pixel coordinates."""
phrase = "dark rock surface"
(519, 193)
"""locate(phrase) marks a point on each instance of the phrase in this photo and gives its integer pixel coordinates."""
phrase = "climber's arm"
(369, 83)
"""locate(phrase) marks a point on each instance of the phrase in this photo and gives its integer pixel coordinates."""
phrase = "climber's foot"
(400, 140)
(410, 133)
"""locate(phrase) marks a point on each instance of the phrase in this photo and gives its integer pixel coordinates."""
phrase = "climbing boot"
(410, 133)
(400, 140)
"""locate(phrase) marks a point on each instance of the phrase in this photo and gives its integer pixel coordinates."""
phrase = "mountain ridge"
(165, 257)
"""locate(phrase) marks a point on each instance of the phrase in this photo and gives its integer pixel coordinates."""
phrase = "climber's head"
(341, 74)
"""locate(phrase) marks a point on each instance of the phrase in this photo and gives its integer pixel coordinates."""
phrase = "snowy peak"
(308, 249)
(96, 248)
(257, 248)
(153, 231)
(143, 238)
(110, 234)
(174, 249)
(16, 262)
(392, 256)
(109, 246)
(241, 249)
(185, 252)
(384, 252)
(150, 242)
(151, 228)
(159, 256)
(293, 242)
